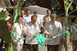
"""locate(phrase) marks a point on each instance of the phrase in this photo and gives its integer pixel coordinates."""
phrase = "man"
(18, 42)
(23, 13)
(45, 20)
(47, 17)
(62, 38)
(74, 34)
(27, 18)
(39, 20)
(31, 29)
(19, 14)
(53, 28)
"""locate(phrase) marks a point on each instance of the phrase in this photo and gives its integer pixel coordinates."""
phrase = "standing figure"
(53, 28)
(31, 29)
(18, 41)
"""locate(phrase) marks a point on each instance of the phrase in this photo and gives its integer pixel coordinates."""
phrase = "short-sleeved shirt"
(31, 30)
(46, 19)
(26, 18)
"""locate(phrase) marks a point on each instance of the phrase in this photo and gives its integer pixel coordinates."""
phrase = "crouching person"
(31, 29)
(18, 41)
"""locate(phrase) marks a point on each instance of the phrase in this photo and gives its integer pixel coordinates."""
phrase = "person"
(74, 38)
(53, 28)
(1, 43)
(19, 14)
(8, 19)
(27, 18)
(18, 41)
(7, 16)
(31, 29)
(39, 20)
(46, 18)
(23, 13)
(62, 38)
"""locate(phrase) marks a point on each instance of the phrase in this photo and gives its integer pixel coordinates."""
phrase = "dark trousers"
(74, 45)
(53, 47)
(30, 47)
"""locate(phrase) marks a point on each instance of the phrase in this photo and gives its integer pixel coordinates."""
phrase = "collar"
(32, 24)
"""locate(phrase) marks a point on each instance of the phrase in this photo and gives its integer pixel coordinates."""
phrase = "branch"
(69, 5)
(72, 11)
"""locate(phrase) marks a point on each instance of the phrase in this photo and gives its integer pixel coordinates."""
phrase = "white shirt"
(18, 30)
(57, 30)
(26, 18)
(31, 30)
(74, 32)
(39, 20)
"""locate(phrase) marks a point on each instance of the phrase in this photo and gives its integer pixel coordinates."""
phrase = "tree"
(67, 6)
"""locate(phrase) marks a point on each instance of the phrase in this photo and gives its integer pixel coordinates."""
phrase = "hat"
(53, 15)
(35, 11)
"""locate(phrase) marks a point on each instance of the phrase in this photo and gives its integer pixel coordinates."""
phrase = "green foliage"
(4, 31)
(74, 1)
(71, 7)
(2, 15)
(76, 7)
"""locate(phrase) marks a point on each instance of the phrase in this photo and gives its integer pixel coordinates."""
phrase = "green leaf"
(2, 15)
(74, 1)
(71, 7)
(4, 31)
(76, 7)
(68, 3)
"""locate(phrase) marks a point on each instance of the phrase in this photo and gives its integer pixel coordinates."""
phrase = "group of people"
(29, 26)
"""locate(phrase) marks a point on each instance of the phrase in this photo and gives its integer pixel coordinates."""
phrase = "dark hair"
(73, 20)
(33, 16)
(62, 15)
(27, 10)
(47, 10)
(19, 16)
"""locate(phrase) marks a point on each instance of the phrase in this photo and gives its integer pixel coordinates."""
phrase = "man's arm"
(47, 31)
(25, 32)
(60, 28)
(25, 29)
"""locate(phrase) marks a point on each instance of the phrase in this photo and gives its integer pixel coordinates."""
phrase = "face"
(20, 19)
(49, 12)
(76, 20)
(63, 19)
(19, 12)
(28, 12)
(6, 13)
(33, 20)
(35, 14)
(53, 19)
(23, 12)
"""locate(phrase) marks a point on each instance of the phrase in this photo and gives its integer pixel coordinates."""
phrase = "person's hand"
(36, 34)
(40, 25)
(56, 34)
(49, 36)
(43, 28)
(26, 34)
